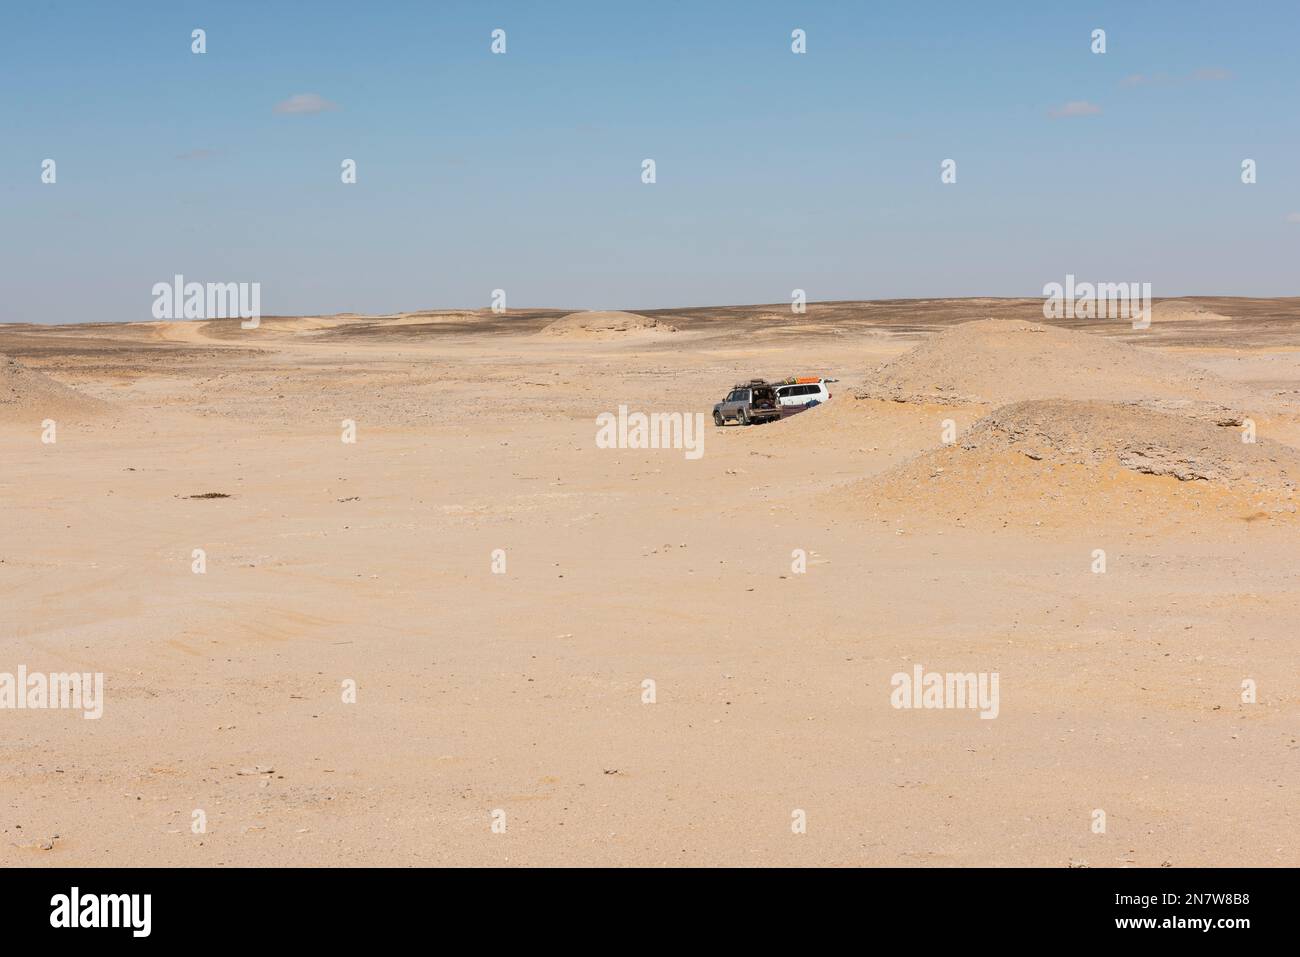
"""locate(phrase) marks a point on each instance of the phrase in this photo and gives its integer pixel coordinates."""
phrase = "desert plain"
(499, 590)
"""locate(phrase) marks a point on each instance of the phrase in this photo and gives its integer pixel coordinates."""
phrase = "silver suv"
(747, 403)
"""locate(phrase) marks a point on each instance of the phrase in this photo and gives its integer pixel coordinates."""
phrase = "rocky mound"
(605, 325)
(1153, 443)
(1067, 462)
(1000, 361)
(30, 396)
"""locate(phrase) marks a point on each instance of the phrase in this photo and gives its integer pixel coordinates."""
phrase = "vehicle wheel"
(718, 420)
(743, 417)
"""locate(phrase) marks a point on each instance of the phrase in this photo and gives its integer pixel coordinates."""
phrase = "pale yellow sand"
(522, 691)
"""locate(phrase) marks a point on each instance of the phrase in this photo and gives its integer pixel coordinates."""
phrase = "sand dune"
(177, 330)
(606, 325)
(29, 396)
(1066, 411)
(995, 362)
(1177, 310)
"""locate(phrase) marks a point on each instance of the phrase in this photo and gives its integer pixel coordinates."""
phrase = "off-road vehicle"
(796, 394)
(748, 403)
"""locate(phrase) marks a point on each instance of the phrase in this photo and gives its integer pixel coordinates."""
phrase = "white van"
(804, 393)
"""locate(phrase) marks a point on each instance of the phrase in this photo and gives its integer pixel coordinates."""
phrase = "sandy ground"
(523, 692)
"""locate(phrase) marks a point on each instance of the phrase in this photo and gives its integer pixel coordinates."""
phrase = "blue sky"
(775, 171)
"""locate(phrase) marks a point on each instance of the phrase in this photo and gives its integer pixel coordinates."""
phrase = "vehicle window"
(807, 389)
(784, 391)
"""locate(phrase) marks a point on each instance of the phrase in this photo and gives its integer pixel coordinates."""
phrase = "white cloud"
(1076, 108)
(1293, 217)
(1206, 74)
(305, 103)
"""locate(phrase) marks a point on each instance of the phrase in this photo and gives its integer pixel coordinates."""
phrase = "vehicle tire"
(743, 417)
(718, 420)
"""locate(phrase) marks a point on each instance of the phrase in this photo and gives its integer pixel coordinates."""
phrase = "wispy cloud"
(200, 154)
(1075, 108)
(305, 103)
(1293, 217)
(1204, 75)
